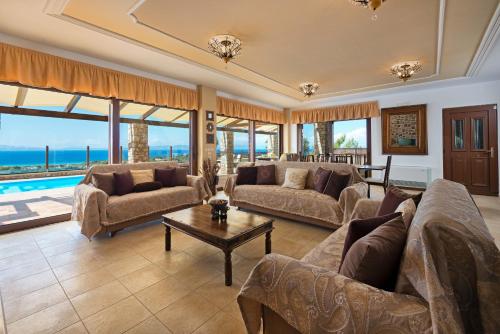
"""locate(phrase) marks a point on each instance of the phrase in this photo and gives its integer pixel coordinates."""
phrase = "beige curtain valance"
(336, 113)
(234, 108)
(41, 70)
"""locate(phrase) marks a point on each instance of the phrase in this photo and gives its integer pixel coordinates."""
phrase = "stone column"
(226, 147)
(321, 138)
(138, 150)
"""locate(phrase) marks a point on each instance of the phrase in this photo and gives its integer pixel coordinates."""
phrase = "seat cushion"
(135, 205)
(336, 183)
(321, 177)
(266, 175)
(105, 182)
(124, 183)
(246, 175)
(393, 197)
(142, 175)
(166, 176)
(295, 178)
(304, 203)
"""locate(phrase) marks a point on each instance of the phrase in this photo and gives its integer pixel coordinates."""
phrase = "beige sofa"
(97, 212)
(306, 205)
(449, 279)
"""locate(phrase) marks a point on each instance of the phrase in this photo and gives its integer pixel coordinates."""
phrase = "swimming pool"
(18, 186)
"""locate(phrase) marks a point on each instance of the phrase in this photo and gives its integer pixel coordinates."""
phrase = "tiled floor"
(52, 280)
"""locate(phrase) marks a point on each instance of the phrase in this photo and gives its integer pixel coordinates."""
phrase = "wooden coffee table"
(240, 228)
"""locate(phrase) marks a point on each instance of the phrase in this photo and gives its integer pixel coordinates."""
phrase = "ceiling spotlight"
(405, 70)
(309, 88)
(226, 47)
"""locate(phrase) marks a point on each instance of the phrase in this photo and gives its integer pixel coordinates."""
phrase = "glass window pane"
(266, 141)
(349, 141)
(232, 143)
(308, 139)
(478, 137)
(458, 130)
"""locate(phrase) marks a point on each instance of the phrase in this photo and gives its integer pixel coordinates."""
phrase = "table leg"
(168, 238)
(268, 242)
(228, 268)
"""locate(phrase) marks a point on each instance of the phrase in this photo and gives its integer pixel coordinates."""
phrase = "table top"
(371, 167)
(199, 219)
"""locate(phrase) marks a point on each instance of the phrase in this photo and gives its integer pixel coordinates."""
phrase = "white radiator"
(409, 173)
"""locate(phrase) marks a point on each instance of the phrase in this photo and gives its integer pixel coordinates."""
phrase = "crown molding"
(490, 36)
(55, 7)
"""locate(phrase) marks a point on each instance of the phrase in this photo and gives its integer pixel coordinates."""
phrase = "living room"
(249, 167)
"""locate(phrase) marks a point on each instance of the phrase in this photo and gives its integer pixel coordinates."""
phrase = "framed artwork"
(404, 130)
(210, 138)
(210, 127)
(210, 115)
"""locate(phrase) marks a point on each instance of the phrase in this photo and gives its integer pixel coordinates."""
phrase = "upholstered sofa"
(448, 281)
(306, 205)
(97, 212)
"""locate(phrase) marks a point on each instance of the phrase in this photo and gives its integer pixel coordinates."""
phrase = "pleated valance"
(336, 113)
(41, 70)
(234, 108)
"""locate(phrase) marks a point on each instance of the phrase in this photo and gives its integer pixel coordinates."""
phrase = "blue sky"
(353, 129)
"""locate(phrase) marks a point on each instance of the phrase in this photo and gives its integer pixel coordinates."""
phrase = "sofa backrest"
(451, 260)
(124, 167)
(281, 167)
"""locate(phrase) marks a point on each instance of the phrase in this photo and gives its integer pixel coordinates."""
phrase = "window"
(350, 140)
(308, 139)
(267, 145)
(232, 143)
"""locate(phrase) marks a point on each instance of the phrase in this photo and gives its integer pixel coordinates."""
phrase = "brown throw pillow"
(105, 182)
(321, 179)
(147, 186)
(181, 176)
(336, 183)
(393, 197)
(358, 228)
(124, 183)
(246, 175)
(166, 176)
(266, 175)
(374, 259)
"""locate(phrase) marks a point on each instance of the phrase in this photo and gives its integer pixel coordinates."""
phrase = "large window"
(308, 139)
(350, 140)
(267, 145)
(232, 143)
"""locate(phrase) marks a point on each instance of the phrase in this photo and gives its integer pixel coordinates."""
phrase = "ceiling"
(285, 42)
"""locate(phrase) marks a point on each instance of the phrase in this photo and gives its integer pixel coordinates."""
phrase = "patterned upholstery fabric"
(449, 279)
(295, 178)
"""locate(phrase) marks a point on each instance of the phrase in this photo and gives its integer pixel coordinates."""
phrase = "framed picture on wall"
(210, 138)
(404, 130)
(210, 115)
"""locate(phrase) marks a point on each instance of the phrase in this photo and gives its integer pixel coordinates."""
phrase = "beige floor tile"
(218, 293)
(142, 278)
(77, 268)
(201, 251)
(149, 326)
(37, 266)
(27, 285)
(49, 320)
(77, 328)
(156, 254)
(233, 309)
(28, 248)
(117, 318)
(175, 262)
(19, 260)
(82, 283)
(75, 255)
(113, 252)
(187, 314)
(242, 268)
(68, 246)
(163, 293)
(222, 323)
(128, 265)
(197, 274)
(99, 298)
(2, 321)
(26, 305)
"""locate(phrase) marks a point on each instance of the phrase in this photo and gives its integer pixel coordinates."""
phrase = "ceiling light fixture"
(309, 88)
(372, 4)
(226, 47)
(405, 70)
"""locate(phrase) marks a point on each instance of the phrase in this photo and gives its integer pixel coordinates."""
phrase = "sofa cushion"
(246, 175)
(407, 209)
(305, 203)
(181, 176)
(124, 183)
(336, 183)
(147, 186)
(359, 228)
(266, 175)
(142, 175)
(295, 178)
(105, 182)
(393, 197)
(321, 177)
(166, 176)
(374, 259)
(135, 205)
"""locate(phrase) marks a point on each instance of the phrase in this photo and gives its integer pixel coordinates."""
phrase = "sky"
(353, 129)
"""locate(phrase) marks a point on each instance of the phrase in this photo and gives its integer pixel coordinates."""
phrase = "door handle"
(492, 152)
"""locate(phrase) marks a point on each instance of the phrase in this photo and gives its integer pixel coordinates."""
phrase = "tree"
(306, 146)
(351, 143)
(340, 140)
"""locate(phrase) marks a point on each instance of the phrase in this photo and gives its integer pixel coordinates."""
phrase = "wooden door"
(470, 149)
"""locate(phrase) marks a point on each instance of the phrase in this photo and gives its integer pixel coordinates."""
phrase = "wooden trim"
(123, 105)
(114, 132)
(421, 148)
(193, 142)
(251, 141)
(280, 138)
(150, 112)
(329, 138)
(369, 141)
(72, 103)
(300, 138)
(21, 96)
(34, 222)
(180, 116)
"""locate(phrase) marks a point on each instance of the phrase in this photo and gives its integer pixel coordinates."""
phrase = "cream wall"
(436, 99)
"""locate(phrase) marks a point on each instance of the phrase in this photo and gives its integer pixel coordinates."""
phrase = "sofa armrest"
(350, 196)
(312, 299)
(201, 186)
(365, 208)
(89, 208)
(230, 184)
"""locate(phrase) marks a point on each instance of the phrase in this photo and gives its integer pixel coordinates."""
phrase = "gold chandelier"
(405, 70)
(373, 4)
(226, 47)
(309, 88)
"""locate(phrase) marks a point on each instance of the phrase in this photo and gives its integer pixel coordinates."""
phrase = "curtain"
(336, 113)
(233, 108)
(40, 70)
